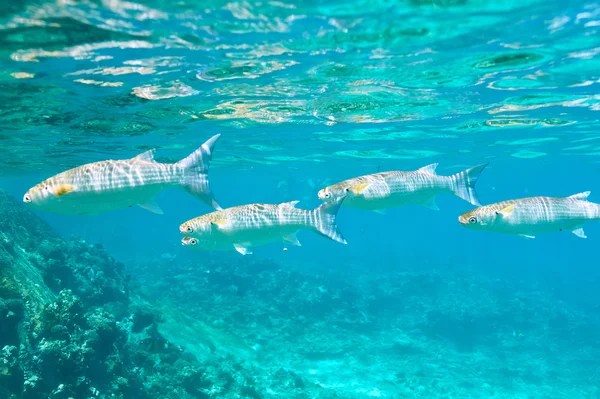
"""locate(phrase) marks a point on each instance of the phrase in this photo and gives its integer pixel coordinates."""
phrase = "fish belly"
(528, 223)
(393, 199)
(257, 236)
(94, 202)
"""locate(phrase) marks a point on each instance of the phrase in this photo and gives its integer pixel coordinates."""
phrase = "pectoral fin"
(152, 206)
(63, 189)
(379, 211)
(292, 239)
(357, 188)
(507, 211)
(242, 249)
(430, 203)
(219, 223)
(579, 232)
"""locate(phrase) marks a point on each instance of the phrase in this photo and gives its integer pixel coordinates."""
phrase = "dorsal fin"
(581, 196)
(429, 168)
(145, 156)
(291, 204)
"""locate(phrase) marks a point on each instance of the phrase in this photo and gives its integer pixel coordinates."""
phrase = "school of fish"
(115, 184)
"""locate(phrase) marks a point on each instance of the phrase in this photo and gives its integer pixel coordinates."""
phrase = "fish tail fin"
(463, 183)
(323, 220)
(195, 178)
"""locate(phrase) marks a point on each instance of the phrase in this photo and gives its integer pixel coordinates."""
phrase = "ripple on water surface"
(452, 68)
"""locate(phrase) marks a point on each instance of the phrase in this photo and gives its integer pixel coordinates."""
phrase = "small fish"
(114, 184)
(246, 226)
(383, 190)
(527, 217)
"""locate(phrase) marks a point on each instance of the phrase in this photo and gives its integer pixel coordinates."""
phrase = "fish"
(527, 217)
(205, 244)
(380, 191)
(247, 226)
(109, 185)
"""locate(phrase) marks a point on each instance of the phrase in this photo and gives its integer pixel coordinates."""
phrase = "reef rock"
(70, 328)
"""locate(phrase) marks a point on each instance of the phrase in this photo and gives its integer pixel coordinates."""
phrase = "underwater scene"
(299, 199)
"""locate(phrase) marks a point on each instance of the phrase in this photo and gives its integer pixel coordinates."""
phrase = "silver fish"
(205, 245)
(383, 190)
(246, 226)
(115, 184)
(529, 216)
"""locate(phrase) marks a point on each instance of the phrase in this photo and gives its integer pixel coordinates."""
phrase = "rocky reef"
(71, 328)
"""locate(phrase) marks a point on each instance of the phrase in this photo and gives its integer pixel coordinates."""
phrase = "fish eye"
(193, 241)
(189, 229)
(27, 198)
(472, 220)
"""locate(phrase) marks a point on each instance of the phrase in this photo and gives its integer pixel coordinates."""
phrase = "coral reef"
(70, 328)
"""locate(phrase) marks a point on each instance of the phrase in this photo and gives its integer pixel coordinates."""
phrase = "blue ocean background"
(306, 94)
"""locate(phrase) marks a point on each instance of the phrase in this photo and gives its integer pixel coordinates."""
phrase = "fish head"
(197, 227)
(478, 218)
(186, 228)
(330, 193)
(51, 191)
(190, 242)
(41, 193)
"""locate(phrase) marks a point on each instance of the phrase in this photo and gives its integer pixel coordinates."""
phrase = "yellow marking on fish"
(220, 223)
(63, 189)
(507, 211)
(358, 188)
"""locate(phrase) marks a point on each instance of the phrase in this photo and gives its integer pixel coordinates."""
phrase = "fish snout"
(27, 198)
(462, 220)
(324, 195)
(188, 241)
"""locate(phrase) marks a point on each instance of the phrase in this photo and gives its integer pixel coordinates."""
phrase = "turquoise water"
(306, 94)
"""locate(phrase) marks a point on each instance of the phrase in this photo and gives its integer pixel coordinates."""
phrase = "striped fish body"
(105, 186)
(115, 184)
(395, 188)
(246, 226)
(384, 190)
(530, 216)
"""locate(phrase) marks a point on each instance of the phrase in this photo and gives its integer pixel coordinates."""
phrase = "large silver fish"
(114, 184)
(383, 190)
(246, 226)
(529, 216)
